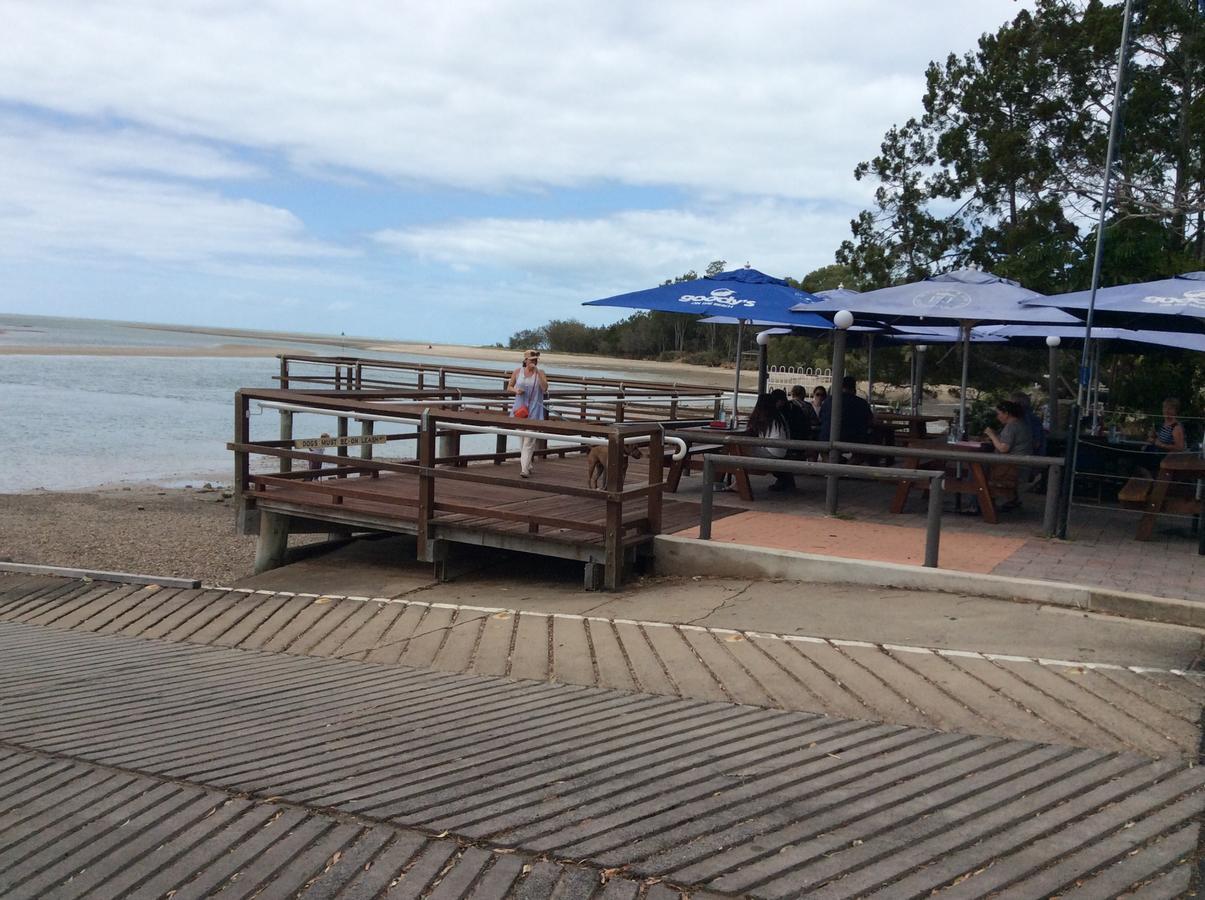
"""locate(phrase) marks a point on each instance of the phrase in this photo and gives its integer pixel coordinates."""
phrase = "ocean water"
(81, 421)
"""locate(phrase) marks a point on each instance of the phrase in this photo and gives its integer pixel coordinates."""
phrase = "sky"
(437, 171)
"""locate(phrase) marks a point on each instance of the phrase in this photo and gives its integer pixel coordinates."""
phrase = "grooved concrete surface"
(733, 799)
(1107, 707)
(76, 830)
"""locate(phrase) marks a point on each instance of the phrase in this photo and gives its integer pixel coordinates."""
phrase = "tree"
(1004, 167)
(528, 339)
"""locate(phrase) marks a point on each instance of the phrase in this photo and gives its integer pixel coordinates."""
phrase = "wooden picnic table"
(976, 481)
(699, 441)
(1175, 468)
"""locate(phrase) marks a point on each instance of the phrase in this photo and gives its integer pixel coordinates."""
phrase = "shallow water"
(81, 421)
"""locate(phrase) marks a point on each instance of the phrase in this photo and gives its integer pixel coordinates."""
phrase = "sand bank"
(186, 533)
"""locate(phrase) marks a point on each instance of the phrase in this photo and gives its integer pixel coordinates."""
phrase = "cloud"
(641, 247)
(776, 98)
(127, 194)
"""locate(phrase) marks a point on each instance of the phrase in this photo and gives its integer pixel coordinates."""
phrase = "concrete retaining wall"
(689, 556)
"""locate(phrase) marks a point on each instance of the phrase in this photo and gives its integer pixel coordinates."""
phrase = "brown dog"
(596, 464)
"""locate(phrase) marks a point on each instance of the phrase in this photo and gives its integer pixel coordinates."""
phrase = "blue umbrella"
(744, 295)
(1179, 339)
(966, 296)
(1169, 304)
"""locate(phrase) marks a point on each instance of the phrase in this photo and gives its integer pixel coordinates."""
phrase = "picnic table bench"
(986, 480)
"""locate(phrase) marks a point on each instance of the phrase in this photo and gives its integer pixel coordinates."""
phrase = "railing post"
(341, 431)
(443, 379)
(656, 478)
(1050, 516)
(286, 417)
(242, 462)
(619, 405)
(708, 495)
(420, 378)
(366, 427)
(426, 484)
(613, 537)
(933, 522)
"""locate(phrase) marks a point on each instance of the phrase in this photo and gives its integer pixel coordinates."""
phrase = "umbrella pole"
(962, 394)
(1068, 482)
(736, 388)
(835, 401)
(870, 369)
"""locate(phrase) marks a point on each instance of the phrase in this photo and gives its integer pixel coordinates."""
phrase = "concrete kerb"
(690, 556)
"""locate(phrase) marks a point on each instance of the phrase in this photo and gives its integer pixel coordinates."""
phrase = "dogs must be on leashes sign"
(312, 443)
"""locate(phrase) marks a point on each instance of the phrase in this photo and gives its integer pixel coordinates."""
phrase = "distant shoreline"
(672, 372)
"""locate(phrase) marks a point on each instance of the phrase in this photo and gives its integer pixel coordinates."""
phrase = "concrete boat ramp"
(422, 742)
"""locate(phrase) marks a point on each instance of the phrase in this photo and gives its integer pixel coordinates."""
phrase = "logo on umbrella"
(719, 297)
(943, 299)
(1195, 299)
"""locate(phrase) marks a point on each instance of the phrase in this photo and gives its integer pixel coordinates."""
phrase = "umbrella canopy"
(1170, 304)
(1178, 339)
(964, 295)
(946, 334)
(744, 295)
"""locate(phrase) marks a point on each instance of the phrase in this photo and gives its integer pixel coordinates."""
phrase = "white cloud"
(779, 97)
(640, 247)
(126, 194)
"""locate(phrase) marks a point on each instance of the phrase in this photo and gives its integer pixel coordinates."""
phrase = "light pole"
(1053, 341)
(842, 320)
(763, 361)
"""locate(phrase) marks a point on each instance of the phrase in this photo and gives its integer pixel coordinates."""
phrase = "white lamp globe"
(921, 348)
(843, 319)
(1053, 340)
(763, 338)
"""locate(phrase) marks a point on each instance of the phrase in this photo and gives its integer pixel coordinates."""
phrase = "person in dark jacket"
(802, 415)
(856, 415)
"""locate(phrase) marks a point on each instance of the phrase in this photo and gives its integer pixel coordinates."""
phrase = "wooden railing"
(581, 397)
(323, 484)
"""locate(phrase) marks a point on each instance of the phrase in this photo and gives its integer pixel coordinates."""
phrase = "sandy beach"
(183, 532)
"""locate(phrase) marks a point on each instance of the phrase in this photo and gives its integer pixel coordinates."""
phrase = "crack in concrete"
(721, 605)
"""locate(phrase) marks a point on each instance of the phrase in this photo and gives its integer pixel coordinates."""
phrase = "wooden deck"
(518, 511)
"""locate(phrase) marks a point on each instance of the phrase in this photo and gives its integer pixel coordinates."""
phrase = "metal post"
(1051, 514)
(705, 506)
(1097, 260)
(870, 368)
(1053, 389)
(933, 521)
(834, 420)
(919, 379)
(763, 368)
(736, 389)
(962, 397)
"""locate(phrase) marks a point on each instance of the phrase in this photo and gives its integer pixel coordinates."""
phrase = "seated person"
(856, 415)
(1167, 438)
(819, 395)
(767, 421)
(1037, 434)
(801, 416)
(1013, 439)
